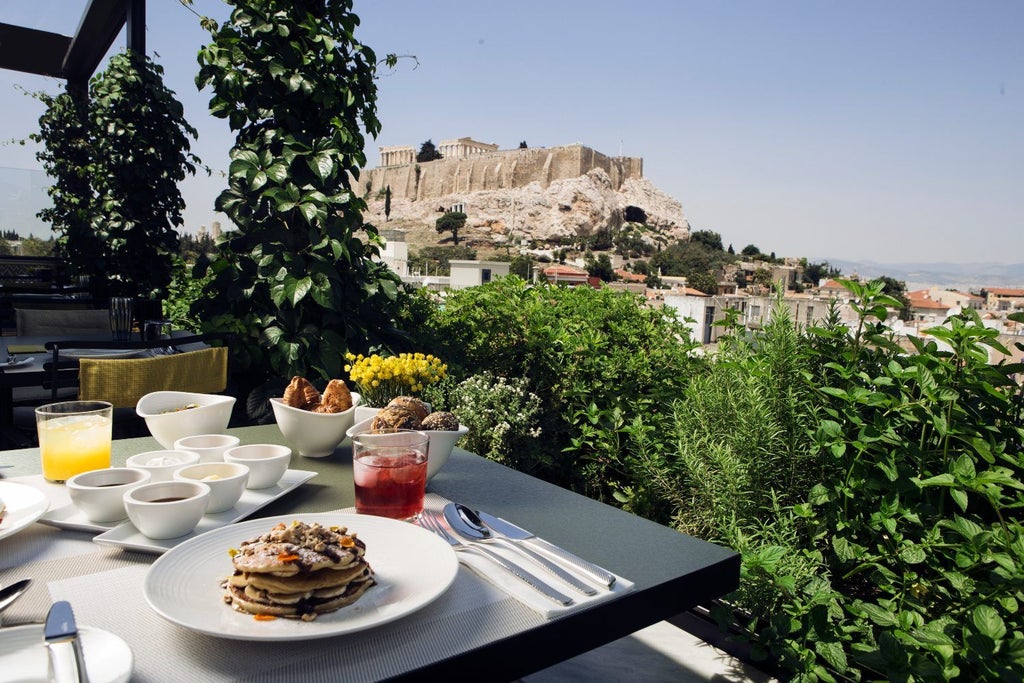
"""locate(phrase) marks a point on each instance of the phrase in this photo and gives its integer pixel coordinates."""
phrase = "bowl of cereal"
(171, 415)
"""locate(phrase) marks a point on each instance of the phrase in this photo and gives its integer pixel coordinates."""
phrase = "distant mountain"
(951, 275)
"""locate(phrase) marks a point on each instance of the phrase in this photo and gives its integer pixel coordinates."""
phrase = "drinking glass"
(390, 472)
(153, 330)
(74, 437)
(121, 315)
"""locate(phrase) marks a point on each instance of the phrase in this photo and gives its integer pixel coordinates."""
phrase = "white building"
(396, 251)
(475, 273)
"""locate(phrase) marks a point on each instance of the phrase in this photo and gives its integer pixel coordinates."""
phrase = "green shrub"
(596, 358)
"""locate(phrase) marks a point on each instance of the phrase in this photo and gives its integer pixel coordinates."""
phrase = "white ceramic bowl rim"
(356, 400)
(216, 441)
(188, 490)
(253, 451)
(235, 470)
(80, 480)
(159, 404)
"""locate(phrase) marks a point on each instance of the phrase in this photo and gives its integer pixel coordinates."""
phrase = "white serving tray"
(127, 536)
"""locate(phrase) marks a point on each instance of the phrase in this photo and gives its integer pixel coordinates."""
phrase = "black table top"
(672, 572)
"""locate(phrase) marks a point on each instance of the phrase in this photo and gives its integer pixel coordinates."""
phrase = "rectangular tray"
(127, 536)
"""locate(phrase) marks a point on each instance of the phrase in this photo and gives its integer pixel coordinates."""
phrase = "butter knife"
(518, 534)
(60, 634)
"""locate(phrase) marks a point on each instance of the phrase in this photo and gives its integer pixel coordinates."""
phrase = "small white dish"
(99, 494)
(171, 415)
(161, 464)
(226, 480)
(23, 657)
(267, 462)
(167, 509)
(313, 435)
(210, 447)
(441, 443)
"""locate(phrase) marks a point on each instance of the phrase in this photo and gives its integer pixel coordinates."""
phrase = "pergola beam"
(74, 58)
(32, 51)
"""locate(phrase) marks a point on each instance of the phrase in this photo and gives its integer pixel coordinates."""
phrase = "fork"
(432, 522)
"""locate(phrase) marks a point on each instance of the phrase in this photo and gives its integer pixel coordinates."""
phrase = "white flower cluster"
(499, 412)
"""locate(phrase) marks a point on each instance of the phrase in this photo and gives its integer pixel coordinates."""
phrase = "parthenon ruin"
(468, 165)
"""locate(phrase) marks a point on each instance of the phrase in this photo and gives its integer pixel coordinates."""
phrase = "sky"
(869, 130)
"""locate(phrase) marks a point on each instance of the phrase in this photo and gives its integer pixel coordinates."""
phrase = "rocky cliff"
(558, 213)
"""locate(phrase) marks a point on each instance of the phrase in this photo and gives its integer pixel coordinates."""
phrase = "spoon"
(12, 592)
(468, 524)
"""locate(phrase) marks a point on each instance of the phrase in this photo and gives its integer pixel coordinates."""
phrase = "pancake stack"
(298, 571)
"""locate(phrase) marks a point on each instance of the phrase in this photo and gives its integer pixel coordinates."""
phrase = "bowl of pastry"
(314, 423)
(408, 412)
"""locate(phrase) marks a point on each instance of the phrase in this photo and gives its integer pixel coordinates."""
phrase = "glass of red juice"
(390, 473)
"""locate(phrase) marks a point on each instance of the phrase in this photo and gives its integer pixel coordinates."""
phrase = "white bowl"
(210, 447)
(313, 435)
(167, 509)
(161, 464)
(267, 462)
(226, 480)
(168, 420)
(100, 493)
(441, 443)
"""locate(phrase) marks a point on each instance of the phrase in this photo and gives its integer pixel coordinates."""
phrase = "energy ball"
(440, 422)
(412, 404)
(395, 417)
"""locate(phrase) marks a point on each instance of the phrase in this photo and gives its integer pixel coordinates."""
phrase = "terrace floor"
(657, 654)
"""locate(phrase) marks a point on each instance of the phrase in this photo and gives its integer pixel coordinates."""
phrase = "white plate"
(412, 566)
(20, 362)
(78, 354)
(24, 506)
(127, 536)
(23, 656)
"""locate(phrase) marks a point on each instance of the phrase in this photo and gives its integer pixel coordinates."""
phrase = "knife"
(61, 637)
(515, 533)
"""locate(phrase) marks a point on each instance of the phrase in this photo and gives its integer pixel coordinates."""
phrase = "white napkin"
(532, 598)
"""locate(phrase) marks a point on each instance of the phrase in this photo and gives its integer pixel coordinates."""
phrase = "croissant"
(300, 393)
(337, 398)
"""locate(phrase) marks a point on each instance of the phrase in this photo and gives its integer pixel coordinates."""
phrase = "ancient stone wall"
(495, 171)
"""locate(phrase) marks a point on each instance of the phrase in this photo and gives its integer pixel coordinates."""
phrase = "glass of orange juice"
(74, 437)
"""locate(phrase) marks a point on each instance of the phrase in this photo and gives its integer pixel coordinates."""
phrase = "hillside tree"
(453, 222)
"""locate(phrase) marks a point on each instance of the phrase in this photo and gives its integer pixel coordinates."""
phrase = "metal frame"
(74, 58)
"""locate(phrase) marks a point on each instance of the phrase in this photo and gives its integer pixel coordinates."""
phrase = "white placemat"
(105, 588)
(489, 571)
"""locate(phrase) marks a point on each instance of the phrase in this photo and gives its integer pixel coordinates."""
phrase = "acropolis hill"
(547, 194)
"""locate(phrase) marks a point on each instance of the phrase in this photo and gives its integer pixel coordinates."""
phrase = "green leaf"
(913, 554)
(988, 622)
(309, 212)
(959, 497)
(833, 653)
(322, 165)
(878, 615)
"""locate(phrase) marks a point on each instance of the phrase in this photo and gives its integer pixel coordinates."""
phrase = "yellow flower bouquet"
(381, 378)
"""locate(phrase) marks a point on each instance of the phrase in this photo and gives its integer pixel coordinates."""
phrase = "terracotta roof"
(921, 299)
(627, 276)
(1004, 291)
(563, 270)
(832, 284)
